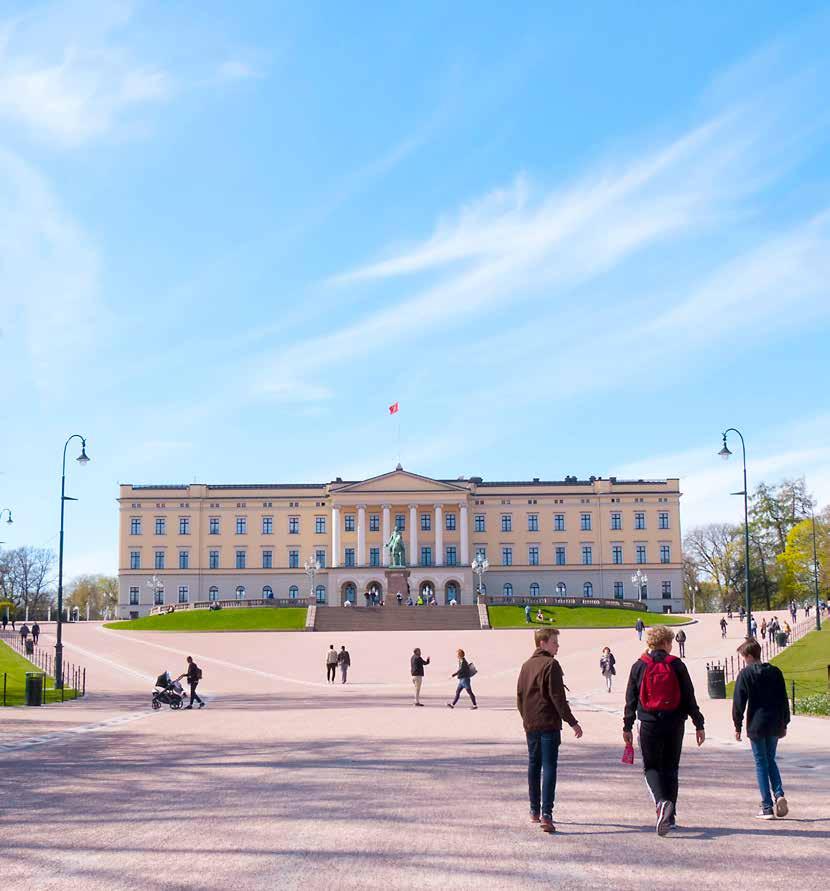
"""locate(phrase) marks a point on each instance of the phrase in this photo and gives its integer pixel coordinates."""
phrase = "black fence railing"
(74, 676)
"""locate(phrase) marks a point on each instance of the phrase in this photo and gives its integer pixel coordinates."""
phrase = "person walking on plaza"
(5, 620)
(764, 628)
(761, 691)
(464, 672)
(606, 666)
(640, 626)
(753, 627)
(344, 661)
(331, 664)
(35, 632)
(660, 694)
(680, 637)
(24, 632)
(543, 705)
(416, 668)
(723, 626)
(193, 675)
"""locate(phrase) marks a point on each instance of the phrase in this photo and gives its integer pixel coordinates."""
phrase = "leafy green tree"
(99, 591)
(796, 565)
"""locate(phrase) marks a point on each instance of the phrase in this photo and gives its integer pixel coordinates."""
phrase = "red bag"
(628, 755)
(659, 689)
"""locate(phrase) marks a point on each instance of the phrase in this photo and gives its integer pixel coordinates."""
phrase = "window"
(641, 553)
(452, 556)
(240, 592)
(293, 592)
(158, 597)
(267, 525)
(213, 559)
(241, 525)
(481, 552)
(320, 557)
(184, 525)
(533, 555)
(349, 561)
(479, 523)
(559, 522)
(293, 559)
(616, 521)
(619, 591)
(587, 590)
(507, 556)
(320, 525)
(561, 589)
(374, 556)
(585, 522)
(665, 553)
(426, 522)
(267, 592)
(135, 559)
(639, 520)
(666, 590)
(213, 526)
(506, 522)
(133, 596)
(533, 522)
(560, 556)
(240, 559)
(400, 522)
(663, 519)
(267, 559)
(213, 593)
(161, 526)
(534, 589)
(449, 522)
(616, 554)
(293, 525)
(587, 555)
(135, 526)
(426, 556)
(184, 560)
(507, 590)
(159, 561)
(374, 522)
(348, 522)
(320, 593)
(183, 591)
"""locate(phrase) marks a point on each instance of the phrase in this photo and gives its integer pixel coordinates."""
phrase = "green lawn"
(241, 618)
(14, 667)
(578, 617)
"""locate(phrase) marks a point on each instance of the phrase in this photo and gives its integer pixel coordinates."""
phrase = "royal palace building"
(586, 538)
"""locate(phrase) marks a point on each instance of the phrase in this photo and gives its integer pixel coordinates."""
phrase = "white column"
(439, 535)
(413, 534)
(386, 533)
(465, 536)
(335, 537)
(361, 535)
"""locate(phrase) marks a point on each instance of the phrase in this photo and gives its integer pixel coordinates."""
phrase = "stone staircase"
(398, 618)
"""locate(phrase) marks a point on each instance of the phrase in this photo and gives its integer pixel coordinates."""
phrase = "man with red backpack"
(661, 696)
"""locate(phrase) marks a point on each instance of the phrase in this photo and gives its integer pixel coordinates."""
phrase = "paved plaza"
(284, 781)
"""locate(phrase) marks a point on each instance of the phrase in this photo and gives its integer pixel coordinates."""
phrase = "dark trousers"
(682, 645)
(330, 671)
(661, 742)
(464, 684)
(542, 759)
(193, 694)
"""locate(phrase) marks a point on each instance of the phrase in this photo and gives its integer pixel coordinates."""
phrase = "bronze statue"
(397, 556)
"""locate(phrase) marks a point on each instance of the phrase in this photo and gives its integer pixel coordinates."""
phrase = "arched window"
(561, 589)
(587, 590)
(267, 593)
(293, 592)
(321, 593)
(507, 590)
(213, 593)
(534, 589)
(240, 592)
(451, 592)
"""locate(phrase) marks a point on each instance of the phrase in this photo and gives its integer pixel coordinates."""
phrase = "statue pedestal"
(397, 579)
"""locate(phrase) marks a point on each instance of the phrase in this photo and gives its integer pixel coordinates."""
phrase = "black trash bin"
(30, 646)
(717, 683)
(34, 688)
(781, 638)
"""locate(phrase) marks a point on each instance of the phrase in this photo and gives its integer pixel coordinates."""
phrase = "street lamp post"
(155, 584)
(640, 579)
(8, 522)
(312, 567)
(82, 460)
(480, 565)
(725, 453)
(815, 573)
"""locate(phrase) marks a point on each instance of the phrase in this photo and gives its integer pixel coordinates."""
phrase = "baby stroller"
(168, 691)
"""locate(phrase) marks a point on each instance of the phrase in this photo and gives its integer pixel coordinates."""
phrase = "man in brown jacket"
(541, 700)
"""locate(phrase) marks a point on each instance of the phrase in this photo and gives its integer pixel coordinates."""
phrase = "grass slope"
(15, 667)
(578, 617)
(264, 618)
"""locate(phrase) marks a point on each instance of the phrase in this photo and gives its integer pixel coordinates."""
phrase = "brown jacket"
(540, 694)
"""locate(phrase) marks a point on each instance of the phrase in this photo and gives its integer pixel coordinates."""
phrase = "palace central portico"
(189, 544)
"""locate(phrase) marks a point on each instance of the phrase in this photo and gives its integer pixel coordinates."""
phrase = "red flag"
(393, 408)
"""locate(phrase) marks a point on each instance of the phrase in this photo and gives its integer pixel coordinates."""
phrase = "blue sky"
(566, 241)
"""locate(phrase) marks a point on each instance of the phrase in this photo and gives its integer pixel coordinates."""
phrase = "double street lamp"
(640, 579)
(82, 460)
(312, 567)
(725, 454)
(480, 565)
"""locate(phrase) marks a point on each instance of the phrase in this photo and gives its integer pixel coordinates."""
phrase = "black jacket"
(688, 704)
(417, 664)
(463, 670)
(192, 673)
(761, 689)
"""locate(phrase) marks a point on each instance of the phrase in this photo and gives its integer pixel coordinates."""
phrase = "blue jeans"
(542, 758)
(464, 684)
(766, 770)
